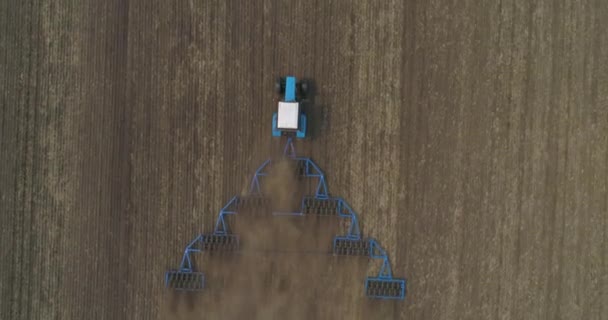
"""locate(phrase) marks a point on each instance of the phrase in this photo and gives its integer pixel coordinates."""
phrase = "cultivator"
(382, 286)
(318, 203)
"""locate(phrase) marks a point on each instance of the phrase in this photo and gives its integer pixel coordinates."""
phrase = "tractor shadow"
(317, 115)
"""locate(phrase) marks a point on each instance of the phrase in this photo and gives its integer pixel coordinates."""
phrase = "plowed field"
(471, 137)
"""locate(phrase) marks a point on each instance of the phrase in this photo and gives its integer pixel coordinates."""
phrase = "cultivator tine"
(220, 242)
(380, 288)
(252, 203)
(351, 247)
(184, 280)
(322, 207)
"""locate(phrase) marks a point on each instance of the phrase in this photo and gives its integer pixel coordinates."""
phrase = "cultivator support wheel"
(379, 288)
(184, 280)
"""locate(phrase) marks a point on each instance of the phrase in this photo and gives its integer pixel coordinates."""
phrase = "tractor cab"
(289, 120)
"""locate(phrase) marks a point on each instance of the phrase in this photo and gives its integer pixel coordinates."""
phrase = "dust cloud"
(284, 269)
(282, 187)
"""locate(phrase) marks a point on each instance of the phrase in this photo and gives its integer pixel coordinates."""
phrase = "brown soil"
(471, 137)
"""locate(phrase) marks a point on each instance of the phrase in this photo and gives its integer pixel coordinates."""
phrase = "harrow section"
(185, 281)
(349, 247)
(385, 288)
(220, 242)
(320, 206)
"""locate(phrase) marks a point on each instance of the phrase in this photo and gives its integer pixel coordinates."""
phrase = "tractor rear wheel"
(304, 88)
(277, 86)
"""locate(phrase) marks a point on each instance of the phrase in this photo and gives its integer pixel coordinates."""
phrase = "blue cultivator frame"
(185, 278)
(309, 169)
(382, 286)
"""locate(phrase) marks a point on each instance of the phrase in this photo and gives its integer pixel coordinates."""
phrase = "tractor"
(289, 120)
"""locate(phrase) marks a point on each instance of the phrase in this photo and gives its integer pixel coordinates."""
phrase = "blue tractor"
(289, 120)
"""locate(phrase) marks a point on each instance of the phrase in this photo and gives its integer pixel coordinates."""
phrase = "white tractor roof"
(288, 115)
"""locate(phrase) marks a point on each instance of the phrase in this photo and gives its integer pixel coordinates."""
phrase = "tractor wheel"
(304, 88)
(277, 86)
